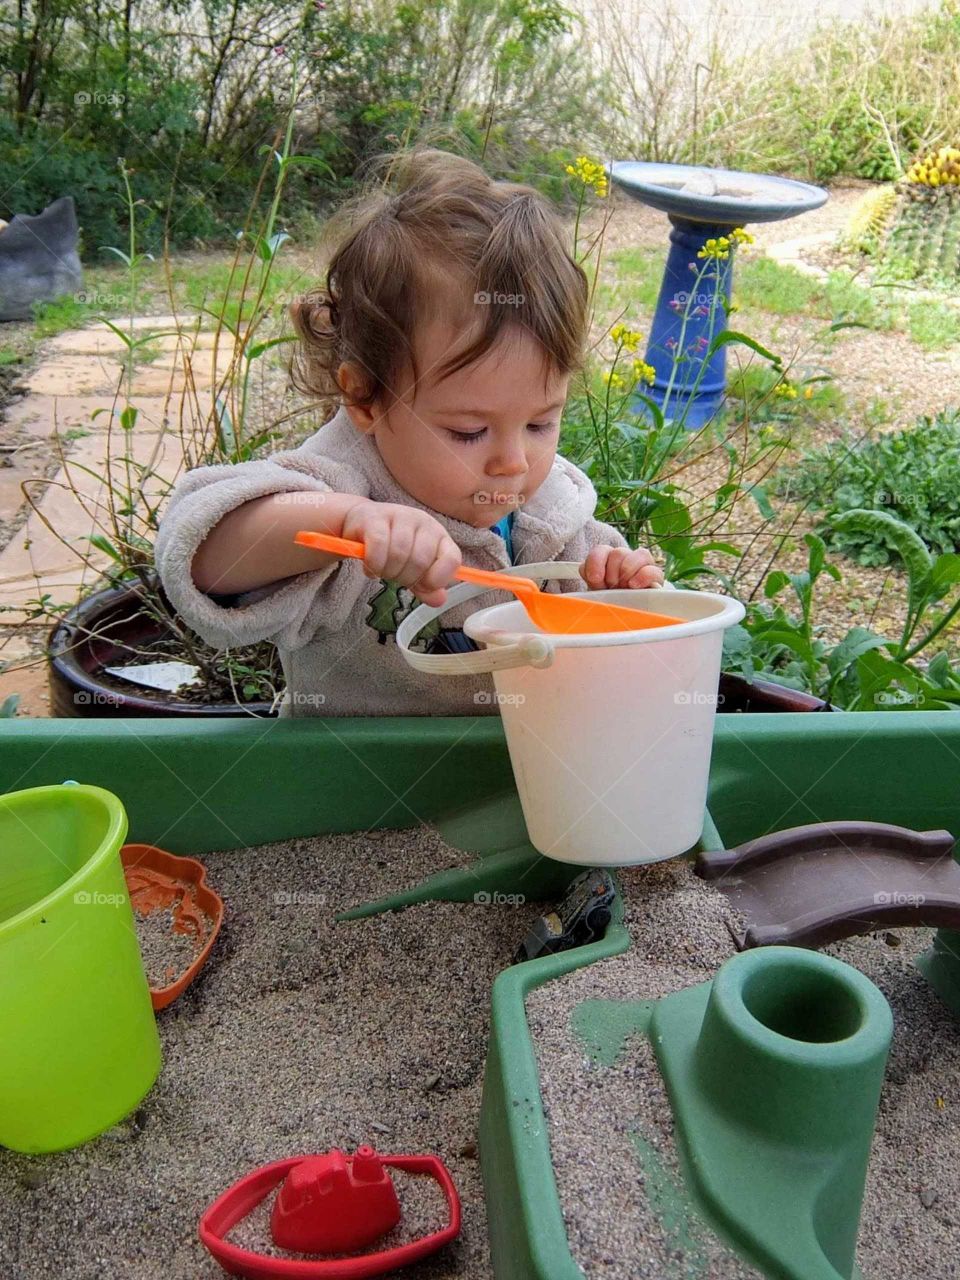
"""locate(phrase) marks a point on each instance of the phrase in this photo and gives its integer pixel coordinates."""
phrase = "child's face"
(481, 442)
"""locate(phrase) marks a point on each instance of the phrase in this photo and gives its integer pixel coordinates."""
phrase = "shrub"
(913, 474)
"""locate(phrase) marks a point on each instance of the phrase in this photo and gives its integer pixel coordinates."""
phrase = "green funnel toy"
(80, 1043)
(774, 1070)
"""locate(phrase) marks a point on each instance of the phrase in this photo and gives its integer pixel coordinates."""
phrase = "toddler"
(449, 325)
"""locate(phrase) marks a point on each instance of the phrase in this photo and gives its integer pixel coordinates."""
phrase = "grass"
(935, 326)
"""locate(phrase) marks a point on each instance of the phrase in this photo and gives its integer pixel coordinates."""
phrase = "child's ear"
(353, 385)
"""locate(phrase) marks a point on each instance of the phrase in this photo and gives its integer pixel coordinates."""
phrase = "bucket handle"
(530, 651)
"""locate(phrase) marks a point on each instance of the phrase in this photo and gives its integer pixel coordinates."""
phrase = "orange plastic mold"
(157, 880)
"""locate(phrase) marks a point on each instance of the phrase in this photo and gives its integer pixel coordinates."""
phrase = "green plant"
(935, 326)
(864, 671)
(221, 430)
(913, 474)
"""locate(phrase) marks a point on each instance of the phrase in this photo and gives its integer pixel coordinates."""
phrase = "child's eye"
(540, 428)
(466, 436)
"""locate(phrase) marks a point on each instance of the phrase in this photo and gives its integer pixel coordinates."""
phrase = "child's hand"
(404, 545)
(620, 567)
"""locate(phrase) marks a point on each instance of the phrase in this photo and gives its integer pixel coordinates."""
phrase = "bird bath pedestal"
(701, 203)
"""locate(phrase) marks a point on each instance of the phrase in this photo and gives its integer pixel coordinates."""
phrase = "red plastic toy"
(330, 1204)
(356, 1194)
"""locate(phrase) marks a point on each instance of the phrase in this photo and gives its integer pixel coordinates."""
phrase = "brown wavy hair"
(433, 234)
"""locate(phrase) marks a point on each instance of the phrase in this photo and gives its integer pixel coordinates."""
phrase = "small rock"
(32, 1179)
(469, 1151)
(928, 1197)
(378, 1127)
(431, 1081)
(892, 939)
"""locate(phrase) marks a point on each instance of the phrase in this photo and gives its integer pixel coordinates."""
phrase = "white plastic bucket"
(610, 734)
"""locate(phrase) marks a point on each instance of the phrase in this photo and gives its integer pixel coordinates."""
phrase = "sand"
(166, 954)
(298, 1036)
(612, 1136)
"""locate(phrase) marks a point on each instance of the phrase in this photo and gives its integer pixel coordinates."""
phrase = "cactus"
(919, 236)
(867, 225)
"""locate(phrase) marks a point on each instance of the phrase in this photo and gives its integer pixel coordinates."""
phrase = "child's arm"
(229, 530)
(253, 546)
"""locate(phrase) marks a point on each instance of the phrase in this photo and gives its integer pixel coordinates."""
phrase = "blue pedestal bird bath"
(702, 204)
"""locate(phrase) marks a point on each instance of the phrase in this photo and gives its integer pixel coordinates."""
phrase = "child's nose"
(509, 462)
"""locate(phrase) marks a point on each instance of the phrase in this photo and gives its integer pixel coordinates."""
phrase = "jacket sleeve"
(290, 612)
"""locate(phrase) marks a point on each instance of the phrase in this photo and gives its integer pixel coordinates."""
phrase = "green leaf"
(775, 581)
(905, 541)
(944, 572)
(759, 494)
(104, 544)
(108, 248)
(731, 335)
(857, 641)
(309, 162)
(254, 353)
(226, 436)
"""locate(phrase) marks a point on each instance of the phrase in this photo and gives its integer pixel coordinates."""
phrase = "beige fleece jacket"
(335, 627)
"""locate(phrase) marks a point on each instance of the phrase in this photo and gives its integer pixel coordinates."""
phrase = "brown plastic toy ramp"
(811, 885)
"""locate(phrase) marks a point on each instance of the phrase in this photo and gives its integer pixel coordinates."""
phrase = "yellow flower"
(785, 389)
(808, 393)
(742, 237)
(614, 380)
(644, 372)
(625, 337)
(718, 249)
(589, 173)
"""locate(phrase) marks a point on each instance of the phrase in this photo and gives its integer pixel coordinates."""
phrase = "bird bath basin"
(703, 204)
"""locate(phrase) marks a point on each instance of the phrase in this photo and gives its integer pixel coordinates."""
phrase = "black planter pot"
(96, 633)
(739, 694)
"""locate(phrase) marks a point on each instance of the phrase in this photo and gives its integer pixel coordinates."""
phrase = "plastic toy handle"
(554, 614)
(357, 550)
(239, 1200)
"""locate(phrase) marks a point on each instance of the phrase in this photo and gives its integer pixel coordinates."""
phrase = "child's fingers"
(593, 568)
(435, 559)
(648, 575)
(375, 536)
(400, 558)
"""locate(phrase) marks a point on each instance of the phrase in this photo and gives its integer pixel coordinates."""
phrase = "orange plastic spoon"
(559, 614)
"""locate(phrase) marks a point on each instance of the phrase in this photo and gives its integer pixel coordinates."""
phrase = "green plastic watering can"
(80, 1047)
